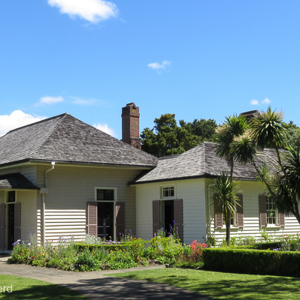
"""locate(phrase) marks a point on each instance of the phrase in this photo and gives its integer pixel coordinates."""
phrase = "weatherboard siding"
(30, 172)
(69, 190)
(193, 194)
(28, 215)
(251, 190)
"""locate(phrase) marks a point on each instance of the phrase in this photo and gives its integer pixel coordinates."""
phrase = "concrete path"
(96, 285)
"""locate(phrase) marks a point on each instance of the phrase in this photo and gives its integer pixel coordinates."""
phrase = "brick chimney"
(250, 114)
(131, 125)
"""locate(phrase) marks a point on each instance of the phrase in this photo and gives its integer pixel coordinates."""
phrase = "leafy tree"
(283, 183)
(292, 135)
(167, 138)
(287, 184)
(232, 128)
(225, 190)
(224, 186)
(202, 128)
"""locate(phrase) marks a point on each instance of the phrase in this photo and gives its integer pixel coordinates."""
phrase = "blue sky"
(196, 58)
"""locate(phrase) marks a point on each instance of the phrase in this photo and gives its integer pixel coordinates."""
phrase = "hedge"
(250, 261)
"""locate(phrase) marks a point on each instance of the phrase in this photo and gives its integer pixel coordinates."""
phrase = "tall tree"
(233, 128)
(167, 138)
(283, 182)
(225, 190)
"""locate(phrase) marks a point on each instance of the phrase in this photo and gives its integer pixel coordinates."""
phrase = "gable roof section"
(198, 162)
(16, 181)
(65, 139)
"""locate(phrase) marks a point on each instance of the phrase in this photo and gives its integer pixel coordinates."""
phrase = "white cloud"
(90, 10)
(80, 101)
(254, 102)
(16, 119)
(266, 101)
(159, 66)
(50, 100)
(105, 128)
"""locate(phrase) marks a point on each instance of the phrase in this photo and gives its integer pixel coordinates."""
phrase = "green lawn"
(27, 288)
(223, 285)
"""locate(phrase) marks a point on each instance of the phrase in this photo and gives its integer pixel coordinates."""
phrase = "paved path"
(96, 285)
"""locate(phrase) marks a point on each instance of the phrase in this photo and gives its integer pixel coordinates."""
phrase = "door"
(10, 226)
(106, 220)
(168, 215)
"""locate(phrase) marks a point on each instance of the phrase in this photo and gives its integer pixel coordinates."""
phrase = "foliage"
(106, 255)
(252, 261)
(293, 136)
(237, 140)
(167, 138)
(224, 191)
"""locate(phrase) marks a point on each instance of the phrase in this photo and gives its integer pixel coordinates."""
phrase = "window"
(105, 195)
(237, 219)
(167, 192)
(269, 216)
(233, 219)
(11, 197)
(271, 211)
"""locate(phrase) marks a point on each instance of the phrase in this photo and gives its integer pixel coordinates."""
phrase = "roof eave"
(203, 176)
(28, 160)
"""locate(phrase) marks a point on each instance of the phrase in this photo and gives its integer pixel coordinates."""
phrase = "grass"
(220, 285)
(27, 288)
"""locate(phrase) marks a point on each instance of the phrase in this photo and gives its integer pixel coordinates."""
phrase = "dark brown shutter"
(120, 219)
(178, 217)
(262, 200)
(281, 219)
(218, 214)
(92, 218)
(2, 226)
(240, 211)
(17, 221)
(156, 215)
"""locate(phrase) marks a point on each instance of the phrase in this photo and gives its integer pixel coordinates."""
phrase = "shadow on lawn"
(272, 286)
(43, 292)
(121, 288)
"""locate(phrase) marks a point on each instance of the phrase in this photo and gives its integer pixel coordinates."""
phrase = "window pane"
(271, 211)
(11, 197)
(105, 195)
(168, 192)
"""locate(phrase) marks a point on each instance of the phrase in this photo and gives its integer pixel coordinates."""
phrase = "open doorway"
(10, 217)
(106, 220)
(167, 215)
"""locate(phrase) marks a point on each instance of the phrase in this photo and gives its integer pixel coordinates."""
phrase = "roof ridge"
(41, 121)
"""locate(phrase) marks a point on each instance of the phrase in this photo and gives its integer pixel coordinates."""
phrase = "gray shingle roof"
(16, 181)
(66, 139)
(200, 161)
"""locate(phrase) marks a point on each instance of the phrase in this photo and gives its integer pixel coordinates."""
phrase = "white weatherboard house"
(61, 177)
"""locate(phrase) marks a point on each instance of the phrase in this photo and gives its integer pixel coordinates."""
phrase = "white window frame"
(110, 201)
(6, 197)
(162, 197)
(107, 188)
(276, 214)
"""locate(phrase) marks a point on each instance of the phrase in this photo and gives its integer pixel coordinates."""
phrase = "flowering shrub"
(196, 254)
(290, 242)
(97, 254)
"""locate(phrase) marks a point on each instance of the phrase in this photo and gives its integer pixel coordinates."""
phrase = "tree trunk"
(228, 229)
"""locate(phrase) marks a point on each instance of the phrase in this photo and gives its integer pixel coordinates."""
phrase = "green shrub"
(252, 261)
